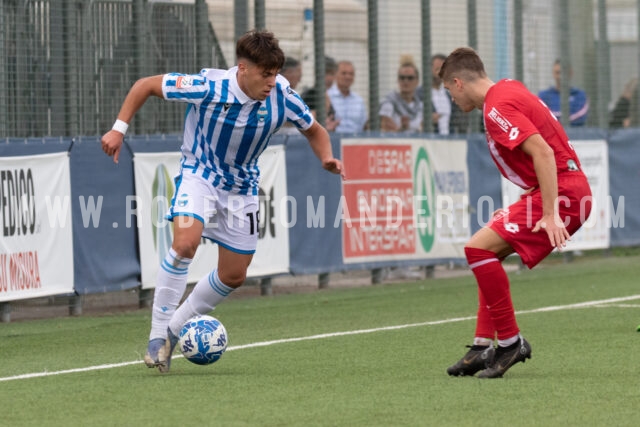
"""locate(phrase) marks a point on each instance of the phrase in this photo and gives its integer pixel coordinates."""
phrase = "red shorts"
(514, 224)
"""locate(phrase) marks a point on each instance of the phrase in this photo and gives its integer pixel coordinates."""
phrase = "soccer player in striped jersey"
(531, 149)
(231, 115)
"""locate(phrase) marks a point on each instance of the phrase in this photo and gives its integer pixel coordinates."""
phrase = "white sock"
(484, 342)
(206, 295)
(170, 286)
(509, 341)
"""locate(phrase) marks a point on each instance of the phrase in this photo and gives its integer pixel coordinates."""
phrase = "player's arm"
(544, 163)
(135, 99)
(321, 145)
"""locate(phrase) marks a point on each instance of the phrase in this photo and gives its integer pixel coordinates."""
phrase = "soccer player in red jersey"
(531, 149)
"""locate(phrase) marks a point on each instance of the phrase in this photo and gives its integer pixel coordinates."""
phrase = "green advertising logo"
(162, 191)
(424, 191)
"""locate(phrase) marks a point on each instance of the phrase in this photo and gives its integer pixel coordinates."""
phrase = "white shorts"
(230, 219)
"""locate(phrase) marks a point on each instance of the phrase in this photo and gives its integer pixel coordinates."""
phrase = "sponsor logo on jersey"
(495, 115)
(183, 82)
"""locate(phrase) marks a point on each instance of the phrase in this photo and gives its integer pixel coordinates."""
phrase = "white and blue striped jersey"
(225, 130)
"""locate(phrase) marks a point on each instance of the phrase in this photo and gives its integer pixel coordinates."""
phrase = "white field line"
(618, 306)
(586, 304)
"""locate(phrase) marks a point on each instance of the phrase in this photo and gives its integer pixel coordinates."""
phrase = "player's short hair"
(463, 63)
(260, 47)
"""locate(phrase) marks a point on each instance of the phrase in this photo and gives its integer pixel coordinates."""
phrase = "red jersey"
(512, 114)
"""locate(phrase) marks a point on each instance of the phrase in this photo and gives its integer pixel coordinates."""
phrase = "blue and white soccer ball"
(203, 340)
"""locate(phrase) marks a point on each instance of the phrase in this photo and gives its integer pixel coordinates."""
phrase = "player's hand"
(111, 144)
(556, 230)
(334, 166)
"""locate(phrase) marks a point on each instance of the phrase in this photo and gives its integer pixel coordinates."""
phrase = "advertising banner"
(404, 199)
(36, 249)
(595, 232)
(155, 187)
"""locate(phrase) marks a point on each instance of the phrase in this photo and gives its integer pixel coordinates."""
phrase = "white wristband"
(120, 126)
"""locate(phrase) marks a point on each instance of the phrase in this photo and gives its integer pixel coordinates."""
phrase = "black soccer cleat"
(476, 359)
(506, 357)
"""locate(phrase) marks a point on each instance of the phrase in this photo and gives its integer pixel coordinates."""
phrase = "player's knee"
(233, 278)
(185, 248)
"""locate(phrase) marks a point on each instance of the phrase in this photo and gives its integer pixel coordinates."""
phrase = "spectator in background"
(350, 108)
(309, 95)
(292, 71)
(625, 111)
(578, 101)
(401, 110)
(440, 98)
(447, 118)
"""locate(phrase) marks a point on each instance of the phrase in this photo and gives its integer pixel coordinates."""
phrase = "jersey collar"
(234, 87)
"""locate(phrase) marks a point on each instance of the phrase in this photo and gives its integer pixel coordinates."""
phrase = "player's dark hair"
(463, 63)
(260, 47)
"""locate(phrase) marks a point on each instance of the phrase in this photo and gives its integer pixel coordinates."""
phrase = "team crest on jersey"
(183, 82)
(183, 200)
(262, 113)
(499, 119)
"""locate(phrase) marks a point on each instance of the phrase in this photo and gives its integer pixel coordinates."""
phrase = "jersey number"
(254, 221)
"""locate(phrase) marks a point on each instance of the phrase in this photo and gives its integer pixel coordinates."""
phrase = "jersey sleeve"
(296, 111)
(191, 88)
(507, 125)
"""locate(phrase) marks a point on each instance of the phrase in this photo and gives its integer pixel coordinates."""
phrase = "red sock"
(494, 295)
(484, 324)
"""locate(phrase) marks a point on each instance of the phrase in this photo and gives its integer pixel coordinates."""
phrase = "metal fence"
(66, 65)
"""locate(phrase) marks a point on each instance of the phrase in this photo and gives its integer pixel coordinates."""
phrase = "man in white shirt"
(439, 98)
(350, 109)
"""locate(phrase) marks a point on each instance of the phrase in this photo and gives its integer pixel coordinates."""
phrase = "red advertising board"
(378, 194)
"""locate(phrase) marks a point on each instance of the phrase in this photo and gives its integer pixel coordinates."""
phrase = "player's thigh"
(232, 266)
